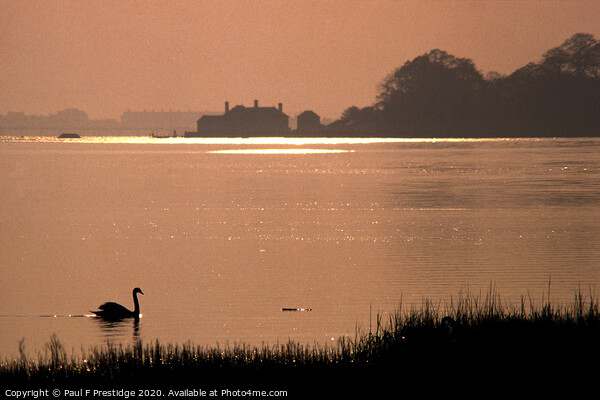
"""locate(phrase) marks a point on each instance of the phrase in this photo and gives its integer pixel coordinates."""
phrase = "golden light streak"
(279, 151)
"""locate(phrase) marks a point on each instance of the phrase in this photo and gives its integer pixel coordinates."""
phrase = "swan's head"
(137, 290)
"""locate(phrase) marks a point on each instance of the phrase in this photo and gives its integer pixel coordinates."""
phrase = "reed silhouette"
(479, 343)
(113, 311)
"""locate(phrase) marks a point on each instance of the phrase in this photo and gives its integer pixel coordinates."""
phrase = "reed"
(478, 334)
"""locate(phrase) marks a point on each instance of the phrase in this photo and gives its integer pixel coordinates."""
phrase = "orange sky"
(105, 57)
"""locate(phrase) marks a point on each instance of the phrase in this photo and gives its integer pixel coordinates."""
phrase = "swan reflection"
(114, 330)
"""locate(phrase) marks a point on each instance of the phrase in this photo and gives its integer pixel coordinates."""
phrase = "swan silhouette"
(114, 312)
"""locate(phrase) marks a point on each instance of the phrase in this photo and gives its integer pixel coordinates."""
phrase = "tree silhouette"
(578, 56)
(440, 95)
(435, 92)
(560, 96)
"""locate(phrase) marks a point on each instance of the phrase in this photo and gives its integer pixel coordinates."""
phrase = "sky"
(106, 57)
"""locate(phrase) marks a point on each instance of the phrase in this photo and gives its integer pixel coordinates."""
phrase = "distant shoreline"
(87, 134)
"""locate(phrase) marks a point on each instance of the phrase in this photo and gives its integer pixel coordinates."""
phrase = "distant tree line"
(439, 95)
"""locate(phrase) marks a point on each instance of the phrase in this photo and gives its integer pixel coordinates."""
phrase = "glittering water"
(221, 234)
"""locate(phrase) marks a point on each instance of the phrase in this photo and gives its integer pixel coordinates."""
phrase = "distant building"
(243, 121)
(70, 118)
(309, 123)
(165, 121)
(159, 122)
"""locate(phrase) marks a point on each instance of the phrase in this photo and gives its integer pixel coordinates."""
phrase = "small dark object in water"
(69, 136)
(296, 309)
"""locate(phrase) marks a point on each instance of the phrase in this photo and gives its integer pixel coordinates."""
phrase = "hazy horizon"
(109, 57)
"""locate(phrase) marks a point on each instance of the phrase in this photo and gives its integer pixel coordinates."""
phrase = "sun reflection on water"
(249, 146)
(280, 151)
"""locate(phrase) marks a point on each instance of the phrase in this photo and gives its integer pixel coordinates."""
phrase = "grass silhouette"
(475, 338)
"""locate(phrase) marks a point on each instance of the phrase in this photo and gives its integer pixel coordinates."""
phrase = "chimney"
(226, 107)
(280, 107)
(255, 103)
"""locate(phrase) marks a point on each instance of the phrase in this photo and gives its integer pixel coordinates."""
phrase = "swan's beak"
(141, 292)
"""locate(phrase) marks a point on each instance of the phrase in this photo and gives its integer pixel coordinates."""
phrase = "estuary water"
(221, 234)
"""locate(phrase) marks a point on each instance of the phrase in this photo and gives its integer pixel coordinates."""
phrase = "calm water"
(222, 234)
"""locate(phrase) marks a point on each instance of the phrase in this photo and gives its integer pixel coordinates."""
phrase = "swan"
(114, 311)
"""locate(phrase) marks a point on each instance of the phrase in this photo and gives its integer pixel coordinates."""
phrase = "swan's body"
(114, 311)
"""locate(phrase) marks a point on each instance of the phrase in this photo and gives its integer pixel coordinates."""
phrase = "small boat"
(69, 136)
(163, 136)
(296, 309)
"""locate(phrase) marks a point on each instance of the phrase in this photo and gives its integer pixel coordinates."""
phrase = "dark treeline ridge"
(475, 343)
(439, 95)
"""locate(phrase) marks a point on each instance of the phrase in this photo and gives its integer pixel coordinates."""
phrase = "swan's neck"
(136, 306)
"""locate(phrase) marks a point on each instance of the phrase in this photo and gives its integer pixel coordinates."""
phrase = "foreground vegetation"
(473, 338)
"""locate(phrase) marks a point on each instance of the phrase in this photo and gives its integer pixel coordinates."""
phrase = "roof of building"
(308, 113)
(242, 110)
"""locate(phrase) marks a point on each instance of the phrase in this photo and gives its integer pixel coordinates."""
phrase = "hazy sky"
(105, 57)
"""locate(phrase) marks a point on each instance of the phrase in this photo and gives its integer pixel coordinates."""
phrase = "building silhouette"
(243, 121)
(309, 123)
